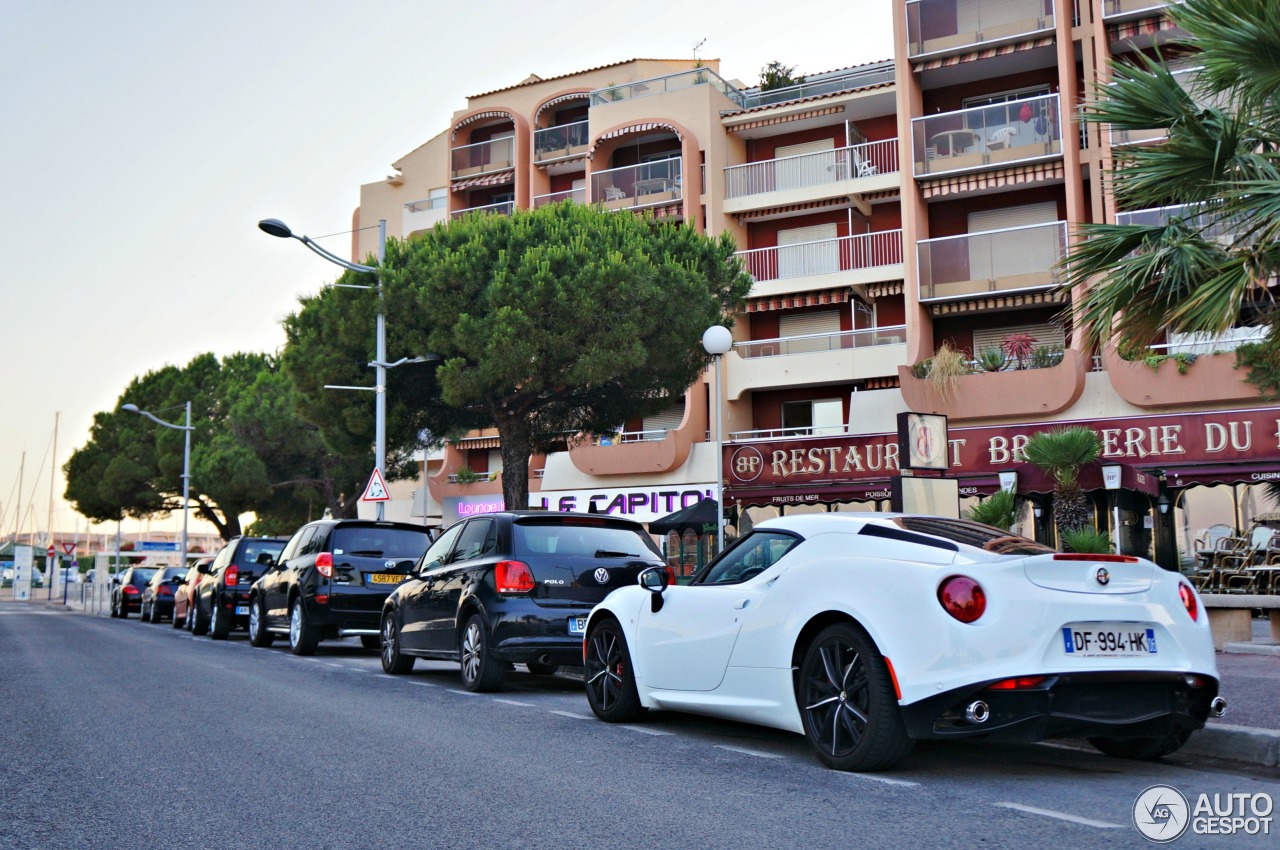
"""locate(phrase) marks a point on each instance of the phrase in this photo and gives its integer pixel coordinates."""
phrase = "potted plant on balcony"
(945, 369)
(466, 476)
(1019, 347)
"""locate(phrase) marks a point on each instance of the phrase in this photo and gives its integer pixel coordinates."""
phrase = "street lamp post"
(276, 227)
(186, 467)
(717, 341)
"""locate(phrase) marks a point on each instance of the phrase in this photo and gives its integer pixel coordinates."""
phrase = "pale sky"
(141, 141)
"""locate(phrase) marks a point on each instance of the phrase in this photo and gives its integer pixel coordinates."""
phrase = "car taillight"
(962, 598)
(671, 575)
(513, 577)
(164, 590)
(1018, 684)
(231, 576)
(1086, 556)
(324, 564)
(1188, 597)
(130, 590)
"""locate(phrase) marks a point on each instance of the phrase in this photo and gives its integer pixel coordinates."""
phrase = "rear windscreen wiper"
(605, 553)
(367, 553)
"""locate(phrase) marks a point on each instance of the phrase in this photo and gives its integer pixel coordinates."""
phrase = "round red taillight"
(1188, 597)
(962, 598)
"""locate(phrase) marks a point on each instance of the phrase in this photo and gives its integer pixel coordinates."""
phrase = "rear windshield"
(968, 533)
(142, 576)
(261, 551)
(173, 572)
(584, 539)
(372, 541)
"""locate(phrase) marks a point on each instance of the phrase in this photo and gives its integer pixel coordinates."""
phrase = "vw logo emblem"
(602, 576)
(1103, 575)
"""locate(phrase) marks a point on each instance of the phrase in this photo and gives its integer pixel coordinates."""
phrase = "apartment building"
(883, 210)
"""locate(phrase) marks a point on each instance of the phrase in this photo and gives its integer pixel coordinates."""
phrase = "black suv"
(157, 596)
(511, 587)
(331, 581)
(126, 590)
(221, 599)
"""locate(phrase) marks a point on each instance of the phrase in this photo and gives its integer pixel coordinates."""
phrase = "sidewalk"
(1250, 675)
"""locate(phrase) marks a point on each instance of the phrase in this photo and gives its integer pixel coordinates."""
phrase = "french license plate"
(385, 578)
(577, 625)
(242, 610)
(1108, 640)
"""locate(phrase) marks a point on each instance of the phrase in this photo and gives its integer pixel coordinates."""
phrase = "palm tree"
(1193, 271)
(1061, 453)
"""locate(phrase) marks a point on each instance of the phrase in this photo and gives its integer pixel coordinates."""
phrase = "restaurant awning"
(1225, 473)
(700, 518)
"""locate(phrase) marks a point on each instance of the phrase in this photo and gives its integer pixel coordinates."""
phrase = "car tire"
(371, 641)
(115, 612)
(303, 637)
(258, 634)
(1142, 749)
(177, 623)
(537, 668)
(219, 621)
(394, 662)
(853, 723)
(189, 621)
(199, 625)
(610, 680)
(480, 670)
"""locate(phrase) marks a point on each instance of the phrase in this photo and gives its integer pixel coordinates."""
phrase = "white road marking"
(464, 693)
(1067, 747)
(425, 684)
(643, 729)
(887, 780)
(513, 702)
(744, 751)
(1050, 813)
(574, 715)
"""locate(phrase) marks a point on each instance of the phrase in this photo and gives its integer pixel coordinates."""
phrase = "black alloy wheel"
(394, 662)
(610, 682)
(199, 625)
(480, 670)
(847, 701)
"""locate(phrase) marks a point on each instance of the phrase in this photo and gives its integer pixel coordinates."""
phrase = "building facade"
(885, 211)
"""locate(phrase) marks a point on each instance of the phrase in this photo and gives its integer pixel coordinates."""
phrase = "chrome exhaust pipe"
(1218, 707)
(977, 712)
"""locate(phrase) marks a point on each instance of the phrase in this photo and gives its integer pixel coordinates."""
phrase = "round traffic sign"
(51, 551)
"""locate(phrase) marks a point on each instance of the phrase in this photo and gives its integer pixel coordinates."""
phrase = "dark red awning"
(1224, 473)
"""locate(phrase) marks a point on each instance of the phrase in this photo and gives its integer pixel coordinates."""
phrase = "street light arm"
(332, 257)
(133, 408)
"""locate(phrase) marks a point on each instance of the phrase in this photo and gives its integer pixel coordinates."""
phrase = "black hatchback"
(331, 580)
(511, 587)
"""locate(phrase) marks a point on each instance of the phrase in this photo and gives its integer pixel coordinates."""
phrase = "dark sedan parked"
(513, 587)
(222, 597)
(331, 581)
(157, 596)
(126, 590)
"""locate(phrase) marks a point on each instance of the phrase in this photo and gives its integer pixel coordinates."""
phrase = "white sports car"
(865, 632)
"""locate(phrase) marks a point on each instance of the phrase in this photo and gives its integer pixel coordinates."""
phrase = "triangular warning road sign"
(377, 489)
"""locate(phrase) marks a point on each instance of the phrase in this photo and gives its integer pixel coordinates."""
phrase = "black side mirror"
(654, 580)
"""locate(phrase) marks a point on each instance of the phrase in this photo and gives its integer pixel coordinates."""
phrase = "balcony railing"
(1186, 77)
(425, 204)
(987, 136)
(576, 195)
(974, 265)
(1118, 9)
(812, 169)
(671, 82)
(1197, 217)
(851, 80)
(482, 157)
(806, 343)
(824, 256)
(776, 433)
(560, 142)
(504, 208)
(642, 185)
(937, 26)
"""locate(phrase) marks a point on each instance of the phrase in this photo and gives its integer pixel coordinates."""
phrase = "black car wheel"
(1142, 749)
(302, 635)
(393, 662)
(115, 612)
(219, 622)
(847, 701)
(480, 670)
(189, 621)
(199, 625)
(258, 634)
(611, 684)
(177, 624)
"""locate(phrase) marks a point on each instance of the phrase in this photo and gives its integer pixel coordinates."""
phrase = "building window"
(819, 418)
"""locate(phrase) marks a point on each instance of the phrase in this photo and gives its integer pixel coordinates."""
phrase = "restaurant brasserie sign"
(1142, 441)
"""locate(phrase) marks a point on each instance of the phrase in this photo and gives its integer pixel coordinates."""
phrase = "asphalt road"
(128, 735)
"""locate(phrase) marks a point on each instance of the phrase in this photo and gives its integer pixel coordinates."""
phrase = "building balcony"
(859, 259)
(423, 214)
(1211, 378)
(866, 167)
(984, 138)
(636, 186)
(975, 265)
(949, 26)
(562, 142)
(669, 83)
(851, 79)
(814, 359)
(504, 208)
(482, 157)
(1121, 137)
(1119, 10)
(647, 451)
(1000, 395)
(576, 195)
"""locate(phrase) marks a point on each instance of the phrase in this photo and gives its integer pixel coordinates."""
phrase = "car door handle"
(741, 603)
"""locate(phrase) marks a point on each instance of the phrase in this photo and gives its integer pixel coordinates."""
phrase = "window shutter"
(665, 420)
(800, 324)
(1050, 335)
(1010, 254)
(799, 260)
(807, 170)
